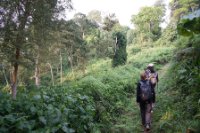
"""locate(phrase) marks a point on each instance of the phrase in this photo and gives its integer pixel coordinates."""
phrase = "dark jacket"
(138, 98)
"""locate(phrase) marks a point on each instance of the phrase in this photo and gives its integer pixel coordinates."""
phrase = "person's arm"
(138, 93)
(153, 93)
(157, 77)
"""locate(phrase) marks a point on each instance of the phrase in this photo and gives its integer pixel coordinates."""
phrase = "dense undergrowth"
(102, 100)
(179, 106)
(46, 110)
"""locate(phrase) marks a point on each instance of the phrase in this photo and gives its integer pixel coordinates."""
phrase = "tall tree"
(105, 45)
(95, 16)
(39, 36)
(147, 23)
(109, 22)
(120, 56)
(179, 8)
(130, 36)
(84, 23)
(18, 16)
(73, 42)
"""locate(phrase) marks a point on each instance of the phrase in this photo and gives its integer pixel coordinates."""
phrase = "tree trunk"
(61, 69)
(71, 64)
(83, 62)
(19, 40)
(52, 77)
(70, 61)
(150, 27)
(141, 38)
(83, 35)
(10, 76)
(5, 77)
(57, 69)
(37, 77)
(115, 47)
(14, 75)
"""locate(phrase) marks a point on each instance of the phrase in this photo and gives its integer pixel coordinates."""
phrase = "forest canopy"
(80, 74)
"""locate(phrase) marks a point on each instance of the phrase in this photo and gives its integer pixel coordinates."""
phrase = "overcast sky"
(123, 9)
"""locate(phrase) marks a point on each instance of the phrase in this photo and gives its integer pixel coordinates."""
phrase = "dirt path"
(130, 122)
(160, 94)
(161, 73)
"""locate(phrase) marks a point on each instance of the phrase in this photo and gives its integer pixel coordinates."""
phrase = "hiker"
(144, 98)
(152, 75)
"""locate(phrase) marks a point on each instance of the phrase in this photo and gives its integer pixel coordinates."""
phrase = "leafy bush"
(102, 100)
(110, 91)
(159, 56)
(51, 110)
(120, 56)
(136, 50)
(179, 98)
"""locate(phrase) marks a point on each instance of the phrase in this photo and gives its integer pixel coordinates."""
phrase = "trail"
(131, 119)
(159, 96)
(163, 71)
(161, 74)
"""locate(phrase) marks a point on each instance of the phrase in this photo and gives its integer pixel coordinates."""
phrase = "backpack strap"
(141, 83)
(154, 74)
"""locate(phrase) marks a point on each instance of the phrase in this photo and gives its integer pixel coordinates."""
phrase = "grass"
(113, 89)
(139, 60)
(100, 74)
(171, 115)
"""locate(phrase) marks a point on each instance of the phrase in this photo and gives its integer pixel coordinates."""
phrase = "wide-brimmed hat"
(150, 65)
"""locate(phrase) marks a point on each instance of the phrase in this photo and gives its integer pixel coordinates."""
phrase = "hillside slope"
(101, 100)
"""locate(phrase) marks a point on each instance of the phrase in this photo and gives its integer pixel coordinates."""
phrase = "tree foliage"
(18, 17)
(109, 22)
(131, 34)
(120, 56)
(190, 25)
(147, 23)
(95, 16)
(80, 91)
(179, 8)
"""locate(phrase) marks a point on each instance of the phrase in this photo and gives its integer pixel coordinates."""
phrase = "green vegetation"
(100, 100)
(58, 75)
(47, 110)
(120, 56)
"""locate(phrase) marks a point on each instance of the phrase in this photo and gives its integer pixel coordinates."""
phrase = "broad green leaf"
(37, 97)
(43, 120)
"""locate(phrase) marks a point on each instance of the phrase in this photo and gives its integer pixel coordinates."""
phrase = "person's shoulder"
(147, 70)
(140, 82)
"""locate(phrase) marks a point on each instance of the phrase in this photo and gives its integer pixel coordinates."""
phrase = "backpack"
(147, 73)
(153, 78)
(145, 88)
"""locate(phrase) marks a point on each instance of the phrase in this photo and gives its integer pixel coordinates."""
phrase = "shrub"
(46, 110)
(120, 56)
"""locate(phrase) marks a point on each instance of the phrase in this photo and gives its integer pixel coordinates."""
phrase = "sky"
(123, 9)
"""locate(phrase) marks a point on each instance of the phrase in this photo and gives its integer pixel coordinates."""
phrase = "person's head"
(143, 76)
(150, 67)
